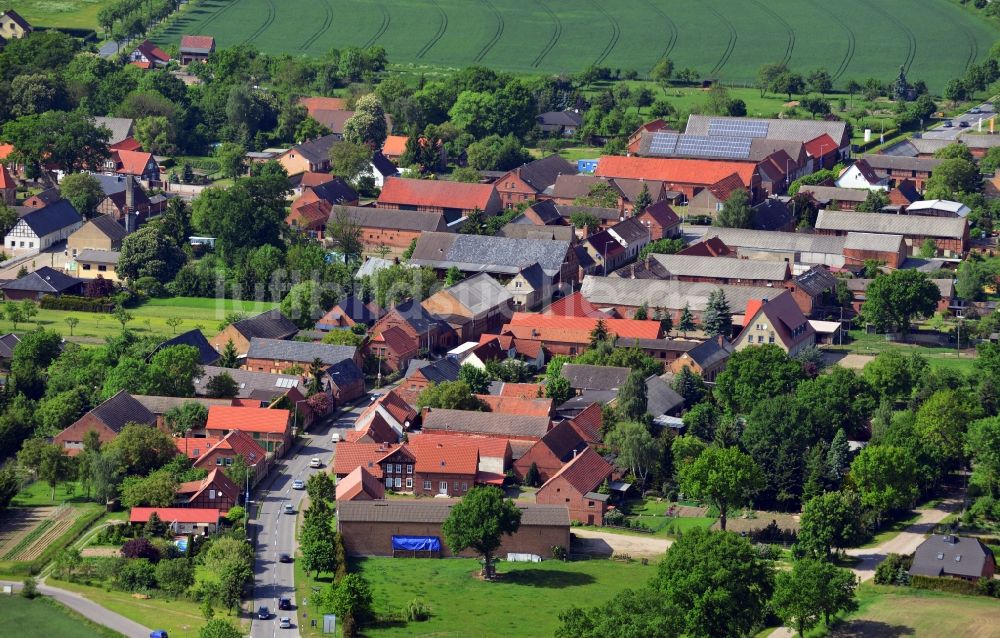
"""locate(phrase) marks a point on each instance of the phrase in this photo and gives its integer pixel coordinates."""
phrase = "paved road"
(941, 132)
(276, 530)
(92, 610)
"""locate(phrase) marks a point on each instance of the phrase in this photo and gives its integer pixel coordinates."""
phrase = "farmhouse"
(738, 272)
(91, 264)
(42, 227)
(311, 156)
(560, 123)
(260, 386)
(41, 283)
(180, 520)
(707, 359)
(528, 181)
(776, 320)
(687, 176)
(571, 335)
(417, 330)
(549, 454)
(360, 485)
(793, 248)
(575, 486)
(394, 229)
(214, 491)
(148, 56)
(953, 556)
(100, 233)
(803, 131)
(492, 424)
(270, 427)
(13, 26)
(349, 312)
(382, 528)
(454, 200)
(196, 48)
(108, 420)
(951, 235)
(277, 355)
(472, 306)
(893, 169)
(269, 325)
(498, 256)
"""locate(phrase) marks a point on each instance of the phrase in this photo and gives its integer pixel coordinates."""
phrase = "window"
(590, 503)
(465, 486)
(211, 495)
(85, 266)
(218, 460)
(760, 338)
(427, 485)
(409, 468)
(455, 485)
(399, 468)
(229, 461)
(770, 339)
(409, 483)
(750, 339)
(399, 482)
(388, 483)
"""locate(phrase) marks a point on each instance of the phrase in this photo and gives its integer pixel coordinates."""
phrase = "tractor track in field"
(386, 21)
(616, 33)
(788, 29)
(442, 28)
(327, 21)
(733, 37)
(556, 35)
(218, 13)
(496, 34)
(671, 27)
(851, 41)
(267, 23)
(911, 40)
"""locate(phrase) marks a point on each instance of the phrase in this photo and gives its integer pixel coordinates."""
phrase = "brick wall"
(375, 539)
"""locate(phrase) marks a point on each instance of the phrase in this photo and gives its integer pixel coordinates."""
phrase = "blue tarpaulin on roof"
(416, 543)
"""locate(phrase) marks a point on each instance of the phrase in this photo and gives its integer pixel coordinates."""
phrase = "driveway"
(589, 541)
(91, 610)
(275, 530)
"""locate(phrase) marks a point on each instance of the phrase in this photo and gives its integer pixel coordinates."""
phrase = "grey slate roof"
(318, 150)
(93, 256)
(194, 338)
(887, 224)
(345, 372)
(901, 163)
(603, 214)
(417, 316)
(162, 405)
(109, 227)
(336, 191)
(120, 127)
(480, 293)
(777, 241)
(518, 230)
(660, 397)
(560, 118)
(483, 253)
(299, 351)
(271, 325)
(369, 217)
(542, 173)
(827, 194)
(260, 384)
(53, 217)
(949, 555)
(873, 241)
(546, 211)
(722, 267)
(589, 377)
(122, 409)
(8, 342)
(513, 425)
(670, 295)
(383, 165)
(771, 214)
(709, 352)
(631, 230)
(45, 279)
(816, 281)
(440, 371)
(534, 276)
(777, 129)
(435, 511)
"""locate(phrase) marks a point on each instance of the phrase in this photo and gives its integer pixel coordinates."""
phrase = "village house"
(660, 221)
(43, 282)
(91, 264)
(179, 520)
(390, 410)
(568, 190)
(8, 342)
(665, 350)
(380, 528)
(148, 56)
(277, 355)
(812, 289)
(122, 132)
(393, 348)
(108, 420)
(802, 131)
(417, 330)
(472, 306)
(528, 406)
(137, 164)
(571, 335)
(894, 169)
(394, 147)
(394, 229)
(858, 288)
(575, 486)
(559, 123)
(100, 233)
(421, 467)
(41, 228)
(216, 491)
(616, 246)
(860, 175)
(421, 374)
(8, 187)
(835, 197)
(271, 428)
(263, 387)
(951, 556)
(890, 250)
(311, 156)
(528, 181)
(737, 272)
(706, 359)
(583, 377)
(687, 176)
(344, 381)
(194, 338)
(222, 453)
(559, 446)
(269, 325)
(515, 428)
(349, 312)
(454, 200)
(360, 485)
(950, 235)
(196, 48)
(13, 26)
(160, 406)
(776, 320)
(530, 287)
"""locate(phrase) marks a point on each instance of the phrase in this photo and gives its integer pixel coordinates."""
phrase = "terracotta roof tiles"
(674, 170)
(435, 193)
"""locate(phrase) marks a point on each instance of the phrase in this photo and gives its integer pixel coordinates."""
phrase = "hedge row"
(48, 555)
(951, 585)
(81, 304)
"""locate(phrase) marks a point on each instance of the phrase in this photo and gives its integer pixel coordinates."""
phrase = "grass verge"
(43, 617)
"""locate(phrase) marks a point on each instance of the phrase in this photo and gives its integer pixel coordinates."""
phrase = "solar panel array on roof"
(742, 128)
(663, 143)
(670, 144)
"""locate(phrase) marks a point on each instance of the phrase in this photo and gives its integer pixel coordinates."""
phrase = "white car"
(285, 622)
(315, 462)
(298, 484)
(335, 437)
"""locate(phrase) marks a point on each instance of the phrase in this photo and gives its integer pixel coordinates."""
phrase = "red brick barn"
(575, 486)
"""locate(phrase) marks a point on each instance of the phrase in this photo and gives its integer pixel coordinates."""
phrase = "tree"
(585, 221)
(479, 522)
(767, 75)
(632, 612)
(632, 397)
(941, 427)
(788, 83)
(718, 318)
(142, 449)
(188, 416)
(351, 601)
(642, 201)
(715, 584)
(450, 395)
(830, 520)
(953, 177)
(229, 357)
(29, 588)
(83, 191)
(559, 390)
(838, 458)
(140, 547)
(175, 576)
(736, 211)
(885, 477)
(531, 477)
(249, 215)
(756, 373)
(159, 489)
(687, 322)
(309, 129)
(815, 105)
(599, 333)
(345, 234)
(893, 375)
(67, 139)
(219, 628)
(496, 153)
(874, 202)
(321, 487)
(690, 386)
(368, 125)
(476, 378)
(601, 195)
(724, 477)
(662, 72)
(148, 253)
(636, 448)
(892, 301)
(318, 535)
(820, 81)
(232, 159)
(222, 386)
(173, 322)
(928, 249)
(350, 161)
(306, 302)
(811, 590)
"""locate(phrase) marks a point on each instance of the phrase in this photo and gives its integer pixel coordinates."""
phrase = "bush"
(558, 552)
(141, 548)
(135, 575)
(30, 588)
(894, 570)
(80, 304)
(772, 534)
(615, 518)
(951, 585)
(416, 611)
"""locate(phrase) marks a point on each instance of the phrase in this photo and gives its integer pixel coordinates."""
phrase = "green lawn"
(872, 344)
(934, 39)
(149, 318)
(81, 14)
(45, 618)
(39, 493)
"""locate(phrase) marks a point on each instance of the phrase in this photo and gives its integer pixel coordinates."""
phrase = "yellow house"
(90, 263)
(13, 26)
(102, 233)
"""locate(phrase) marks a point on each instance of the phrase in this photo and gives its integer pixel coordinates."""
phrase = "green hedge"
(34, 567)
(81, 304)
(951, 585)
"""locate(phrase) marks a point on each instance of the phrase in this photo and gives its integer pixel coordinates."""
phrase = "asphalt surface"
(275, 529)
(942, 132)
(90, 610)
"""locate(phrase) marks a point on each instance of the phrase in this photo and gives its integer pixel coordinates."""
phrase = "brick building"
(571, 335)
(950, 235)
(270, 325)
(108, 420)
(216, 491)
(277, 355)
(454, 200)
(269, 427)
(575, 486)
(528, 181)
(550, 453)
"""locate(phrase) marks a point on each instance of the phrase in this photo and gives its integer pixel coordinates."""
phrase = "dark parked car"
(284, 603)
(263, 612)
(284, 558)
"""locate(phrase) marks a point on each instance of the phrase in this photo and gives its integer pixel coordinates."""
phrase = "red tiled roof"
(310, 178)
(351, 455)
(521, 390)
(6, 181)
(394, 146)
(359, 481)
(444, 455)
(585, 472)
(152, 52)
(489, 351)
(242, 444)
(377, 430)
(711, 247)
(575, 305)
(824, 144)
(127, 144)
(588, 423)
(309, 215)
(215, 480)
(5, 150)
(317, 103)
(726, 186)
(435, 193)
(133, 162)
(532, 406)
(197, 42)
(225, 417)
(175, 514)
(576, 329)
(193, 447)
(396, 340)
(753, 306)
(662, 214)
(142, 65)
(397, 407)
(674, 170)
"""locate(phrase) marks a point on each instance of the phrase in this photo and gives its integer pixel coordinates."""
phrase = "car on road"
(263, 612)
(963, 124)
(375, 396)
(289, 508)
(284, 558)
(315, 462)
(975, 109)
(284, 603)
(947, 124)
(285, 622)
(298, 484)
(335, 437)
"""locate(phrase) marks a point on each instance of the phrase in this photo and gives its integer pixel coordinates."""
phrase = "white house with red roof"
(860, 174)
(180, 520)
(148, 56)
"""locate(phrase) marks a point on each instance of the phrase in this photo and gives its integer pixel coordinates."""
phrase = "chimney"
(721, 340)
(129, 194)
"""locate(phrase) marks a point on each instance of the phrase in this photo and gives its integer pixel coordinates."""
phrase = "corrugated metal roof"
(777, 241)
(671, 295)
(722, 267)
(882, 223)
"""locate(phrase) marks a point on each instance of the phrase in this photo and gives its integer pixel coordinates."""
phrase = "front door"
(443, 487)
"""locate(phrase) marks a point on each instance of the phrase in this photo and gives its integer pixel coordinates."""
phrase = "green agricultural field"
(933, 39)
(44, 618)
(79, 14)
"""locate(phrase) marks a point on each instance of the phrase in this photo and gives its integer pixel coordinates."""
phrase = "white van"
(335, 437)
